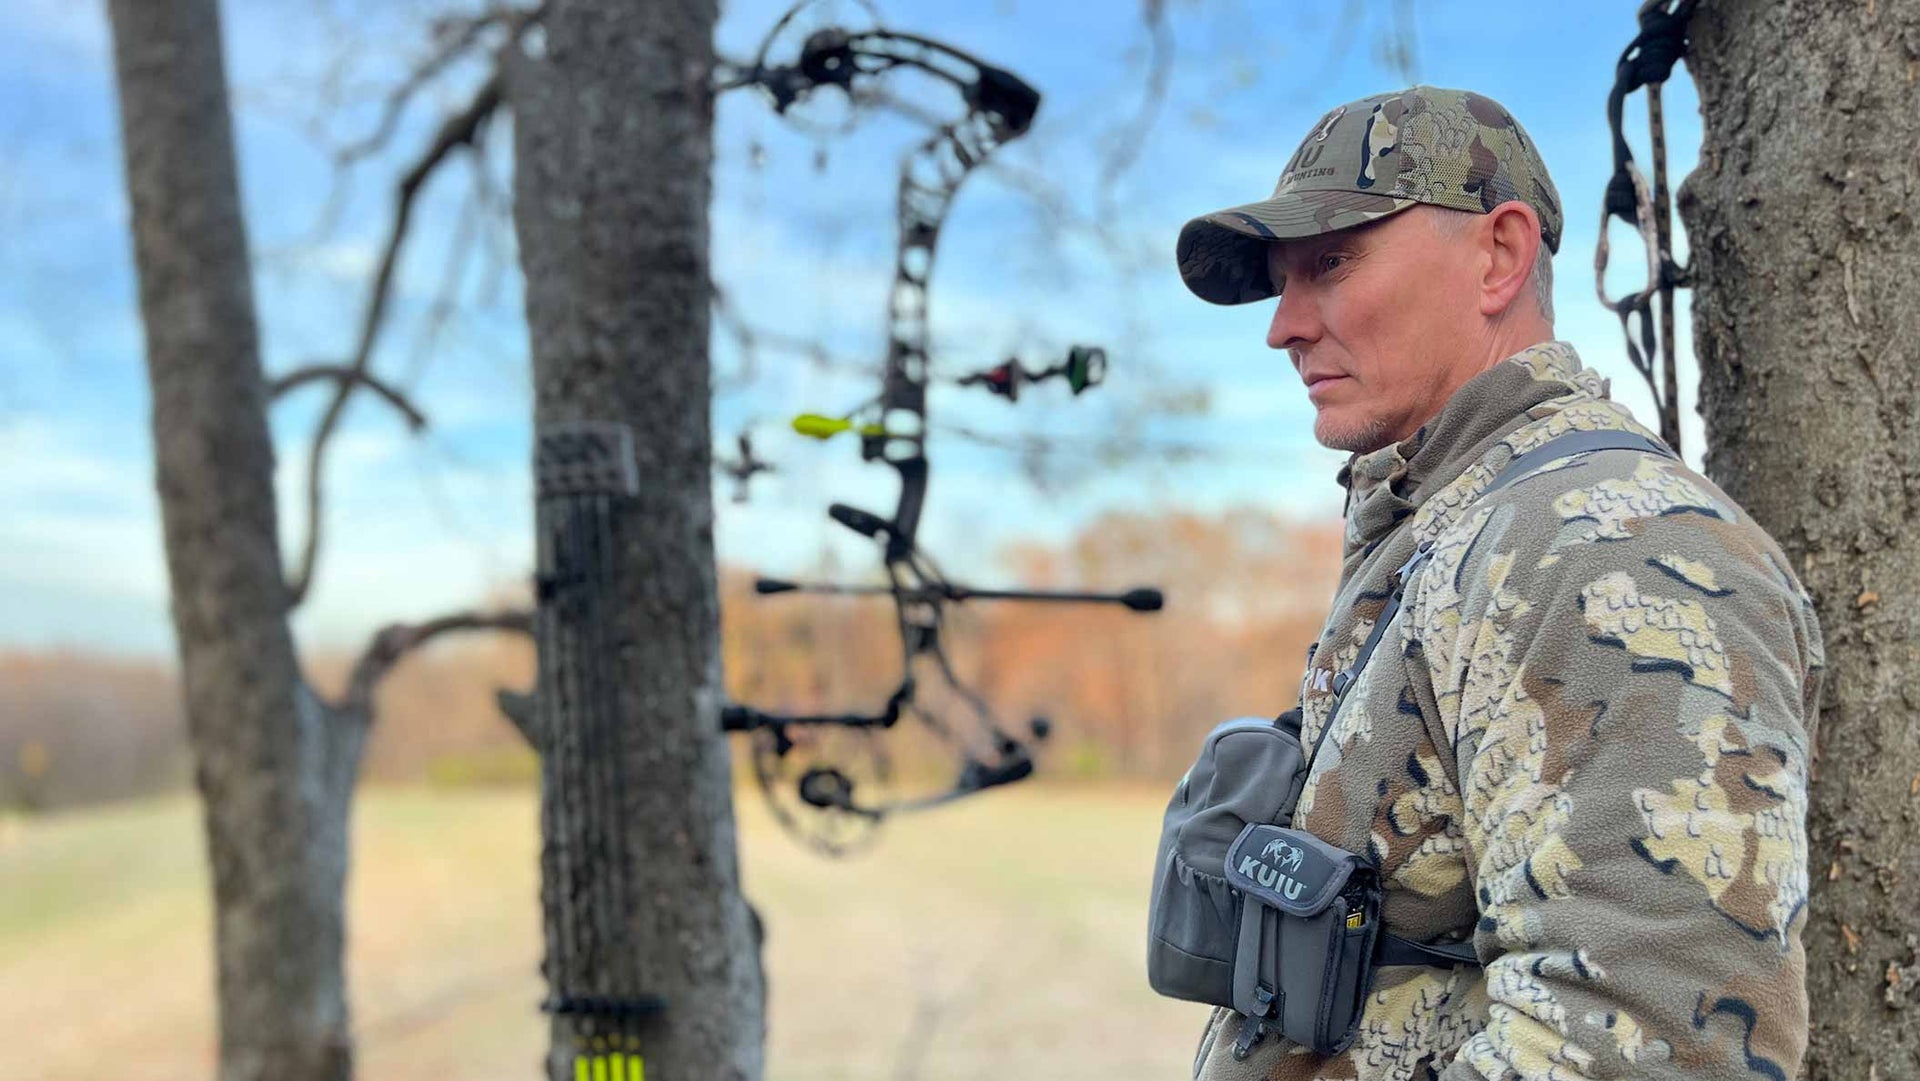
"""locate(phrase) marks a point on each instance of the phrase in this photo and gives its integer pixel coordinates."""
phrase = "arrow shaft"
(953, 592)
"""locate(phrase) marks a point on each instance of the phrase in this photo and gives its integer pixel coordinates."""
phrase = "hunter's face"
(1373, 317)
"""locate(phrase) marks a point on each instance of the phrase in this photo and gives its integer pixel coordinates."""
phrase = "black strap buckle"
(1252, 1031)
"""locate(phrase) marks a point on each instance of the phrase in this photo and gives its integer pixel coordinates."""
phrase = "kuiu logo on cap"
(1310, 151)
(1326, 126)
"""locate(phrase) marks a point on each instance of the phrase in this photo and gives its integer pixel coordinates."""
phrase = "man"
(1582, 745)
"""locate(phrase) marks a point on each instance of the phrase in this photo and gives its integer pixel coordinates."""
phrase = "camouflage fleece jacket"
(1585, 747)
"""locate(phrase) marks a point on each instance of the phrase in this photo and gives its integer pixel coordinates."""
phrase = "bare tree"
(278, 857)
(649, 938)
(275, 764)
(1801, 223)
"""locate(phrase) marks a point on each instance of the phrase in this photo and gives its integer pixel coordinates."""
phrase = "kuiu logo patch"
(1287, 868)
(1284, 855)
(1272, 867)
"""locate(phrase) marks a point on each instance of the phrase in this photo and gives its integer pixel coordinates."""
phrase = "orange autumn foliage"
(1127, 694)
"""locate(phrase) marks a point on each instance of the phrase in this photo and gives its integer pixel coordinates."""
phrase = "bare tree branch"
(751, 339)
(298, 377)
(496, 211)
(459, 253)
(456, 38)
(396, 640)
(1131, 138)
(460, 130)
(1398, 44)
(732, 73)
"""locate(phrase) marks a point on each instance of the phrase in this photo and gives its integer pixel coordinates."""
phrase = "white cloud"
(80, 531)
(348, 262)
(50, 460)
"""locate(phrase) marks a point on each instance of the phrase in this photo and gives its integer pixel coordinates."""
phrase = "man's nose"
(1295, 323)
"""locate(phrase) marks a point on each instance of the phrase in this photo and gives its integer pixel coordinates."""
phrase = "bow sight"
(809, 780)
(1083, 369)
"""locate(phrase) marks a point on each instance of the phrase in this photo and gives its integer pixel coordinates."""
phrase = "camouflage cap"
(1362, 162)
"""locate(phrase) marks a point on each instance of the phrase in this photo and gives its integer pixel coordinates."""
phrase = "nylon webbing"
(1570, 444)
(1395, 950)
(1560, 446)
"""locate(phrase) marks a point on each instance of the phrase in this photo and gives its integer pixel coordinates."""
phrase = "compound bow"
(827, 808)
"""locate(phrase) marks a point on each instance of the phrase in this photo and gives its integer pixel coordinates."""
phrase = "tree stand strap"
(1646, 64)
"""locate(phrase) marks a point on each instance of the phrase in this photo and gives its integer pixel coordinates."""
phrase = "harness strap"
(1570, 444)
(1560, 446)
(1343, 682)
(1395, 950)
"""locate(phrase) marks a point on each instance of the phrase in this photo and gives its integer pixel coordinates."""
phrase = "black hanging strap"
(1570, 444)
(1646, 64)
(1647, 61)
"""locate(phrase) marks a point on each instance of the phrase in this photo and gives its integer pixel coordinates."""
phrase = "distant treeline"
(1127, 694)
(76, 728)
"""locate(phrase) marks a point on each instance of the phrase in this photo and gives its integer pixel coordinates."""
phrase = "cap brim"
(1223, 255)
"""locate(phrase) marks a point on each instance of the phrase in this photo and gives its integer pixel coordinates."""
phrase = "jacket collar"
(1387, 485)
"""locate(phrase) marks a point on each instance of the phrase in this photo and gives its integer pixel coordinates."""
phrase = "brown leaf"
(1852, 937)
(1866, 597)
(1913, 786)
(1893, 974)
(1833, 871)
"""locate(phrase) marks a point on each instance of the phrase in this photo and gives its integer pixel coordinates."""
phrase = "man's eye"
(1331, 261)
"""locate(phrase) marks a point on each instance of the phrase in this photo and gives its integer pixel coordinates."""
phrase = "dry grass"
(998, 938)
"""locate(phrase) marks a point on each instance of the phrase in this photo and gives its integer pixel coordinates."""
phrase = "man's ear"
(1511, 241)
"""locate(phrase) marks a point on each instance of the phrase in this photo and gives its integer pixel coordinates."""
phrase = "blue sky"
(802, 236)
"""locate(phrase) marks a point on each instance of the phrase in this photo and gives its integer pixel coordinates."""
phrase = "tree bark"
(274, 766)
(1801, 222)
(613, 145)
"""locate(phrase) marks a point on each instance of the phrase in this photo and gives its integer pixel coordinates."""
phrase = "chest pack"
(1250, 913)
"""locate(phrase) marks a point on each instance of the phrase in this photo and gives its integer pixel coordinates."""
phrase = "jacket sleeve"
(1627, 693)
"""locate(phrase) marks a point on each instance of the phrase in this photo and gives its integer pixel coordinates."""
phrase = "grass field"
(999, 938)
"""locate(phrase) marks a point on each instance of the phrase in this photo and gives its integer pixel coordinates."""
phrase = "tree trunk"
(1801, 221)
(613, 143)
(272, 765)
